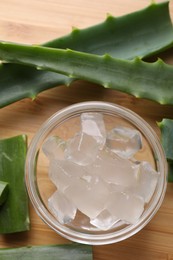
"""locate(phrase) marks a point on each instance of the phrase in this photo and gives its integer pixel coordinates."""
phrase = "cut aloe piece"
(142, 79)
(170, 171)
(54, 252)
(141, 33)
(3, 192)
(166, 127)
(14, 215)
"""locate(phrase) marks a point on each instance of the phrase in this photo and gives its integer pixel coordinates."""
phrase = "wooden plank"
(121, 252)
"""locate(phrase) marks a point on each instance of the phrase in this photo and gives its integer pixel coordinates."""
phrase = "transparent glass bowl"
(65, 123)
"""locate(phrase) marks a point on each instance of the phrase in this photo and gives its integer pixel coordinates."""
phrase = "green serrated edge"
(138, 34)
(142, 79)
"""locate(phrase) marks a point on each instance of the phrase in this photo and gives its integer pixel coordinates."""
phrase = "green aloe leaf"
(170, 171)
(138, 34)
(166, 127)
(3, 191)
(144, 80)
(14, 216)
(51, 252)
(141, 33)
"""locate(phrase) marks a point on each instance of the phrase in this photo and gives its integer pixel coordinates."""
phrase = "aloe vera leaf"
(170, 171)
(166, 127)
(3, 191)
(138, 34)
(142, 79)
(144, 32)
(14, 215)
(51, 252)
(18, 82)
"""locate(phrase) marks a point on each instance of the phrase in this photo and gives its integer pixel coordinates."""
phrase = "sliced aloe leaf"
(141, 33)
(3, 191)
(14, 216)
(54, 252)
(170, 171)
(166, 127)
(142, 79)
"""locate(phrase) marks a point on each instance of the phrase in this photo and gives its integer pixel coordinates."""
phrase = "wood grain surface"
(36, 21)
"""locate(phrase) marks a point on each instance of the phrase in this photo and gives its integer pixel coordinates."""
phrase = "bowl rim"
(30, 177)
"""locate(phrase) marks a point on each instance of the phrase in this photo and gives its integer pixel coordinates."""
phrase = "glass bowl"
(65, 124)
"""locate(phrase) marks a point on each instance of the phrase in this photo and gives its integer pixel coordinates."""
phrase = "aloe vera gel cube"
(125, 206)
(104, 220)
(114, 169)
(64, 173)
(146, 181)
(62, 208)
(82, 149)
(54, 148)
(124, 141)
(89, 195)
(93, 125)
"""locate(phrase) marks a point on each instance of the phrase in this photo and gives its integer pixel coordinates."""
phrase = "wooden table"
(36, 21)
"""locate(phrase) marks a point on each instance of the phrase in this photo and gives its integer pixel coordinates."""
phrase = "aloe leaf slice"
(3, 191)
(166, 127)
(51, 252)
(142, 79)
(14, 216)
(170, 171)
(141, 33)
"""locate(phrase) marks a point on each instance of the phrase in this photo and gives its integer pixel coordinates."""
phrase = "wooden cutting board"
(36, 21)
